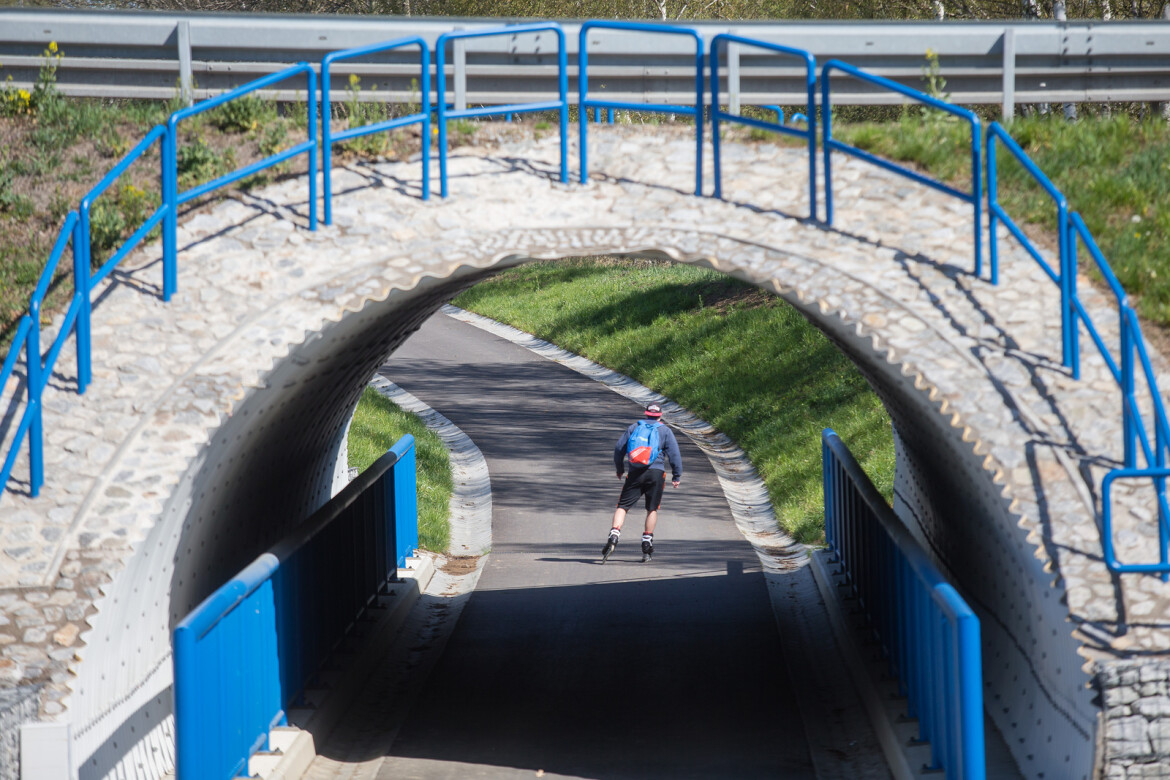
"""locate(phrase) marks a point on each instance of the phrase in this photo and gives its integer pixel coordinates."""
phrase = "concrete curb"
(746, 494)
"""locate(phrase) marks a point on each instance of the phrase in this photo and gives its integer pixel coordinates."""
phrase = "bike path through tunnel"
(672, 668)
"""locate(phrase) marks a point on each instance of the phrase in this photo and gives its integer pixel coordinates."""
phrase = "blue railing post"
(405, 507)
(1068, 293)
(311, 77)
(992, 218)
(32, 360)
(826, 143)
(170, 165)
(81, 266)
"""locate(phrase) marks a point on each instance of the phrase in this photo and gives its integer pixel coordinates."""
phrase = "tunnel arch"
(269, 320)
(284, 429)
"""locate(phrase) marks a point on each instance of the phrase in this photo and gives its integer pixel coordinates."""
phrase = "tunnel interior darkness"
(271, 464)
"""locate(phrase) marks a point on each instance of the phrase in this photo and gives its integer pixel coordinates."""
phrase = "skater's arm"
(675, 457)
(619, 452)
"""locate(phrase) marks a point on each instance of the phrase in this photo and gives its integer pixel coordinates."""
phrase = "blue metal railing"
(929, 635)
(584, 102)
(561, 104)
(244, 655)
(809, 133)
(1124, 368)
(829, 144)
(173, 198)
(423, 116)
(38, 370)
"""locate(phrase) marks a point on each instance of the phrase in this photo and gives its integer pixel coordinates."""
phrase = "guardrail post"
(733, 106)
(1009, 74)
(459, 62)
(183, 41)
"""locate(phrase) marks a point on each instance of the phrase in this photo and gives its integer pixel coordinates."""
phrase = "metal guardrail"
(926, 631)
(154, 55)
(244, 655)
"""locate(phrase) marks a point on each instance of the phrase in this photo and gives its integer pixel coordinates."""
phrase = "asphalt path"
(560, 665)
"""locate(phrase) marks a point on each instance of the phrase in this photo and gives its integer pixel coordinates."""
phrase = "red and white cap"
(653, 410)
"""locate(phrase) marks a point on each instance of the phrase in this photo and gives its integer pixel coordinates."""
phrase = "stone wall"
(1135, 695)
(17, 706)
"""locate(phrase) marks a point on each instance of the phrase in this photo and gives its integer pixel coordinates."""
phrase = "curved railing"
(1131, 367)
(830, 144)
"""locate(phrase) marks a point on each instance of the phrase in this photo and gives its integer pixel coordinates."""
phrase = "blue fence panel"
(247, 652)
(810, 131)
(584, 102)
(927, 632)
(561, 104)
(975, 197)
(172, 198)
(423, 116)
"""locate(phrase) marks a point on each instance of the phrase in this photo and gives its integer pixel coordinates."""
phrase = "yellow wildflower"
(24, 95)
(353, 79)
(53, 46)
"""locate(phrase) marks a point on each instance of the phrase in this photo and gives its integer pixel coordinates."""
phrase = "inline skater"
(647, 444)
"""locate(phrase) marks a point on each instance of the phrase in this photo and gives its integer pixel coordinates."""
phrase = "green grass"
(1114, 171)
(743, 360)
(377, 424)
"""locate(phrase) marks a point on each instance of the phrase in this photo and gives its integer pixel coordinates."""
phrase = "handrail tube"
(247, 170)
(328, 137)
(908, 173)
(997, 212)
(127, 247)
(562, 103)
(512, 108)
(172, 199)
(829, 144)
(934, 649)
(1158, 473)
(584, 103)
(1077, 223)
(717, 114)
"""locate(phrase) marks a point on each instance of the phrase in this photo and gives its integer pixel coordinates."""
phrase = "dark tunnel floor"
(672, 668)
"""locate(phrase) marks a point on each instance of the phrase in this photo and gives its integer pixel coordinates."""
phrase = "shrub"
(244, 114)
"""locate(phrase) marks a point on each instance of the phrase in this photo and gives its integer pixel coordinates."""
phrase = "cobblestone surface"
(253, 284)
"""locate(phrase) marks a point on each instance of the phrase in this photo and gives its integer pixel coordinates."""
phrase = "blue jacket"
(668, 449)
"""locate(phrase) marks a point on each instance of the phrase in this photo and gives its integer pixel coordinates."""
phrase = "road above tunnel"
(673, 668)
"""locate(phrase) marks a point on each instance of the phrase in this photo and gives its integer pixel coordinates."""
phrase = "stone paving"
(253, 284)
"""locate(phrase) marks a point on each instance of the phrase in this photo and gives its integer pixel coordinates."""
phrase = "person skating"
(648, 444)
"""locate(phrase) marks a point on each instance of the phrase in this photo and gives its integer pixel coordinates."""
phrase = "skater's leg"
(619, 517)
(651, 521)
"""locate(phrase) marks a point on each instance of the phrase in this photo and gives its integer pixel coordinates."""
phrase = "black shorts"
(646, 482)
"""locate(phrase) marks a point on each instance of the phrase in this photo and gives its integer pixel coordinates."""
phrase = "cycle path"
(561, 665)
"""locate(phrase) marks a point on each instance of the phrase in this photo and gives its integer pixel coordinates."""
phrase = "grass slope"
(377, 424)
(744, 360)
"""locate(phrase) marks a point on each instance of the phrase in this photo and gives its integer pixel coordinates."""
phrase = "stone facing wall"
(17, 706)
(1135, 696)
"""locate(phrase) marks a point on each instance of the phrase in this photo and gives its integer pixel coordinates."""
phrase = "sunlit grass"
(377, 424)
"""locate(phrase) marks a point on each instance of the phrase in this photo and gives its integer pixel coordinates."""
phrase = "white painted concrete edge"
(746, 494)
